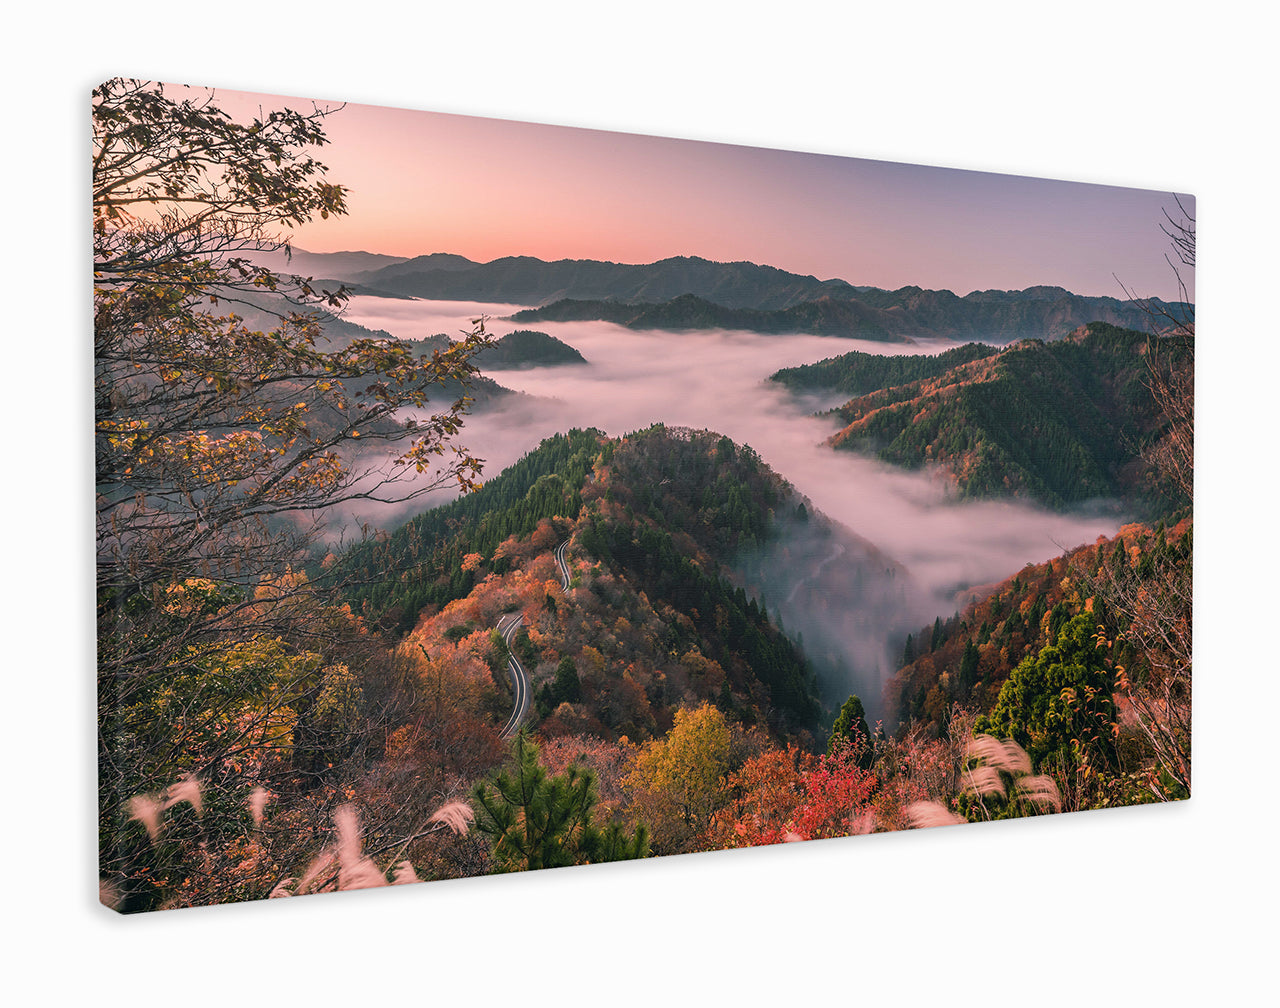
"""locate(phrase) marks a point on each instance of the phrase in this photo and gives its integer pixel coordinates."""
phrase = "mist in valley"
(876, 554)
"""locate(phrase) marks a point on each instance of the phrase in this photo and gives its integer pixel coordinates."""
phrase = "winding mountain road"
(520, 688)
(563, 565)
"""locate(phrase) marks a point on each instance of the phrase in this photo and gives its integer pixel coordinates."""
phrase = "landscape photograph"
(573, 496)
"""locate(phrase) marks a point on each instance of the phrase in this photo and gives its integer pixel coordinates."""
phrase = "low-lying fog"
(717, 380)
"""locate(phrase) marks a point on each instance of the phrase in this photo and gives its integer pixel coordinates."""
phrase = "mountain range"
(686, 292)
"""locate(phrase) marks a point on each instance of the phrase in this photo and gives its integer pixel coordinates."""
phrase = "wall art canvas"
(477, 496)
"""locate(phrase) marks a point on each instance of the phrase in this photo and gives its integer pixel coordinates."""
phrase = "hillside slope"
(679, 536)
(1062, 422)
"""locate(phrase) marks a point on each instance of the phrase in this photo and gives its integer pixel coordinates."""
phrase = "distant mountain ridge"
(330, 265)
(529, 281)
(660, 293)
(689, 292)
(823, 317)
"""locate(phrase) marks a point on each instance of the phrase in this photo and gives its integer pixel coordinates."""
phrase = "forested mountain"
(655, 519)
(857, 373)
(1062, 422)
(526, 348)
(891, 316)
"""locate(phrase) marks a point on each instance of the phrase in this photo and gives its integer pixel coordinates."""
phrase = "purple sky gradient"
(426, 182)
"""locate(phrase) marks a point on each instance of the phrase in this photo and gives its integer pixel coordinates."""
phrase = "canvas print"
(477, 496)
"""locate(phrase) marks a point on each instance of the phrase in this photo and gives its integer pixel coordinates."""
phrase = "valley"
(853, 616)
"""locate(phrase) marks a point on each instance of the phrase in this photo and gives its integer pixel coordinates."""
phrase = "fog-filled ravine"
(850, 598)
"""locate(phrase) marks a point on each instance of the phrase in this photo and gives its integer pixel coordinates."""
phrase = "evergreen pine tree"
(539, 821)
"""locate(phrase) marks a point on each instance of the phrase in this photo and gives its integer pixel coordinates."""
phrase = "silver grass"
(364, 874)
(282, 890)
(319, 865)
(258, 799)
(185, 790)
(108, 894)
(1016, 760)
(1004, 755)
(985, 749)
(347, 823)
(458, 816)
(1041, 791)
(146, 809)
(354, 870)
(923, 814)
(982, 780)
(404, 874)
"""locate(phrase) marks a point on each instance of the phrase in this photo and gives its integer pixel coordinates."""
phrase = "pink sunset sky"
(423, 182)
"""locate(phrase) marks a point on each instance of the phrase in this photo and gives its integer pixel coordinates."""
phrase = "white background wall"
(1171, 904)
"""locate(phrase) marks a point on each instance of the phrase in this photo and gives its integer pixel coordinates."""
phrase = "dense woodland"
(857, 374)
(1062, 422)
(278, 716)
(527, 348)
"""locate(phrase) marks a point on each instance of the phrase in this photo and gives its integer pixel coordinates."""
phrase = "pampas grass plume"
(146, 809)
(319, 865)
(982, 780)
(1041, 790)
(458, 816)
(354, 871)
(258, 799)
(923, 814)
(1004, 755)
(185, 790)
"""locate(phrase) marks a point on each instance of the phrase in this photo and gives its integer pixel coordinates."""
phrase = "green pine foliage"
(534, 819)
(1058, 703)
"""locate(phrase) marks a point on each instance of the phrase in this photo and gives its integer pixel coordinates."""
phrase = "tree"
(221, 448)
(850, 730)
(676, 784)
(537, 820)
(566, 688)
(968, 669)
(1151, 601)
(1057, 705)
(1170, 354)
(781, 796)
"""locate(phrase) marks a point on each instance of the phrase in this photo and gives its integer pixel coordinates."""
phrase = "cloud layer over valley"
(718, 380)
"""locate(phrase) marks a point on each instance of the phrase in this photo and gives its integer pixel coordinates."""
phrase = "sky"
(423, 182)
